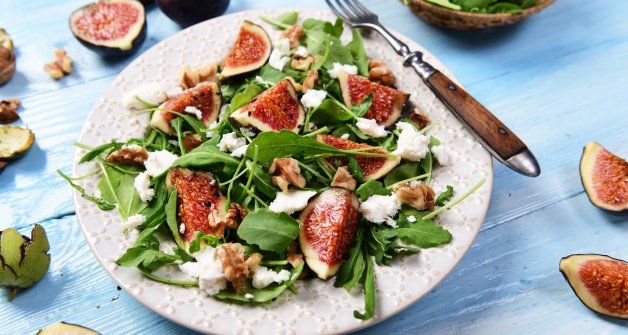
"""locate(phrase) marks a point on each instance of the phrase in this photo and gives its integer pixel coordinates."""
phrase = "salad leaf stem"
(455, 201)
(430, 126)
(101, 203)
(390, 187)
(168, 280)
(109, 185)
(253, 195)
(314, 172)
(317, 131)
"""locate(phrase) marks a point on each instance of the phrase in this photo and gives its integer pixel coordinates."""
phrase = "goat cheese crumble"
(345, 136)
(381, 209)
(411, 145)
(301, 51)
(182, 229)
(159, 161)
(230, 142)
(440, 154)
(291, 201)
(142, 186)
(277, 60)
(411, 218)
(248, 296)
(239, 152)
(195, 111)
(263, 276)
(134, 221)
(371, 128)
(150, 92)
(283, 45)
(313, 98)
(337, 68)
(208, 270)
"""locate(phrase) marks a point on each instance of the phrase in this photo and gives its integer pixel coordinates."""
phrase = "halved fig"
(110, 27)
(249, 52)
(599, 281)
(14, 141)
(274, 109)
(372, 167)
(387, 102)
(205, 97)
(200, 205)
(328, 225)
(63, 328)
(605, 178)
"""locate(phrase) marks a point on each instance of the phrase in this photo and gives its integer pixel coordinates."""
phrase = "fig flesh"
(599, 281)
(110, 27)
(372, 167)
(204, 97)
(328, 226)
(605, 178)
(249, 52)
(200, 205)
(274, 109)
(387, 102)
(64, 328)
(188, 12)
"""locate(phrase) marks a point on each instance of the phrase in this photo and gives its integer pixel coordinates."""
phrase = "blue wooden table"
(559, 80)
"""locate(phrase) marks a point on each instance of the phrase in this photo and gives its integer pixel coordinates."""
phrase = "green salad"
(485, 6)
(294, 159)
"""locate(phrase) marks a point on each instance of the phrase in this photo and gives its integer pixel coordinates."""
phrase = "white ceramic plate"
(319, 307)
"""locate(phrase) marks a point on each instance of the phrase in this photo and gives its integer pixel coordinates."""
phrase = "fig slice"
(599, 281)
(250, 51)
(110, 27)
(205, 97)
(200, 205)
(14, 141)
(387, 102)
(64, 328)
(605, 178)
(372, 167)
(328, 225)
(274, 109)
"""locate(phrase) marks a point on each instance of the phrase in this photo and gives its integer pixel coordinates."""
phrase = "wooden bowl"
(454, 19)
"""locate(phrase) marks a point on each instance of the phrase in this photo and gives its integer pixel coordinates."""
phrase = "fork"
(500, 141)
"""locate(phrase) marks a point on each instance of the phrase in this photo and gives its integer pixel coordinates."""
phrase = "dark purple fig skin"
(189, 12)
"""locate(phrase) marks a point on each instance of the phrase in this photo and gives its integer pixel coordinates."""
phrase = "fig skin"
(617, 182)
(238, 61)
(189, 12)
(572, 265)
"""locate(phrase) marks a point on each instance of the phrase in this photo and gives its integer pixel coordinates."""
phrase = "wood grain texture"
(557, 80)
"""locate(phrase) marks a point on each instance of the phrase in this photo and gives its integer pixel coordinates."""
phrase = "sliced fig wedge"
(110, 27)
(205, 97)
(328, 225)
(274, 109)
(599, 281)
(249, 52)
(605, 178)
(372, 167)
(200, 205)
(387, 102)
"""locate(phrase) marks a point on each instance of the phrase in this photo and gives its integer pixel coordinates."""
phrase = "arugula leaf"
(155, 211)
(361, 109)
(371, 187)
(356, 47)
(171, 217)
(424, 233)
(317, 32)
(146, 258)
(402, 172)
(274, 76)
(445, 196)
(101, 203)
(129, 198)
(117, 187)
(329, 112)
(245, 96)
(338, 54)
(99, 150)
(368, 284)
(351, 269)
(204, 239)
(355, 169)
(205, 157)
(268, 230)
(283, 21)
(378, 242)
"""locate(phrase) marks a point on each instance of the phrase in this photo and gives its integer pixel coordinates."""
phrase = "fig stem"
(12, 294)
(455, 201)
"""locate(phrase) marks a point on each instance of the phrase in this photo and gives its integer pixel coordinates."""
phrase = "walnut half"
(417, 195)
(60, 67)
(310, 80)
(236, 265)
(293, 34)
(8, 110)
(380, 73)
(287, 173)
(235, 215)
(191, 77)
(344, 179)
(132, 154)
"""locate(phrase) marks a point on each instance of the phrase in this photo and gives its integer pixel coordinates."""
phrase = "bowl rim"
(428, 6)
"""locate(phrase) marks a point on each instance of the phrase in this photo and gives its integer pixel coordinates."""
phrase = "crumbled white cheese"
(291, 201)
(381, 209)
(182, 228)
(301, 51)
(150, 92)
(208, 270)
(230, 142)
(132, 147)
(283, 46)
(411, 145)
(249, 296)
(210, 130)
(411, 218)
(158, 162)
(174, 91)
(345, 136)
(142, 185)
(263, 276)
(239, 152)
(195, 111)
(440, 154)
(371, 128)
(313, 98)
(174, 142)
(337, 68)
(134, 221)
(277, 60)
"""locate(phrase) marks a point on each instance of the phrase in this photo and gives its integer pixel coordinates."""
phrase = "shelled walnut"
(60, 67)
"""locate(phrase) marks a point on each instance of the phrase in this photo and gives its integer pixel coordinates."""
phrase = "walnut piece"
(294, 258)
(344, 179)
(310, 80)
(191, 77)
(288, 172)
(301, 63)
(7, 64)
(417, 195)
(128, 155)
(235, 215)
(236, 265)
(60, 67)
(293, 34)
(297, 87)
(8, 110)
(420, 120)
(380, 73)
